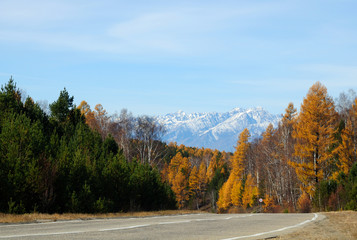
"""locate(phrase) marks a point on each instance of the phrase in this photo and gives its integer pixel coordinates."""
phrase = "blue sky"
(157, 57)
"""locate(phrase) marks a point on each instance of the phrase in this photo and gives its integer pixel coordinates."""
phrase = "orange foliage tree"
(85, 109)
(347, 149)
(250, 193)
(214, 163)
(179, 171)
(236, 193)
(240, 155)
(230, 193)
(97, 119)
(202, 179)
(314, 134)
(179, 186)
(269, 203)
(194, 185)
(224, 195)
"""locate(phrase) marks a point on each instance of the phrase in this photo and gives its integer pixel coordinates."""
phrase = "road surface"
(191, 226)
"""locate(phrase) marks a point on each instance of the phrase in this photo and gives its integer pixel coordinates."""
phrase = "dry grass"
(41, 217)
(336, 225)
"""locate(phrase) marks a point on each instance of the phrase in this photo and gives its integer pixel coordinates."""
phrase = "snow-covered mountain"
(215, 130)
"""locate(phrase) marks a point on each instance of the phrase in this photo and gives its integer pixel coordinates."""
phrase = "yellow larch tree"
(213, 165)
(238, 161)
(102, 118)
(215, 161)
(194, 186)
(194, 182)
(202, 179)
(178, 175)
(165, 173)
(179, 187)
(240, 155)
(250, 193)
(347, 149)
(269, 203)
(224, 196)
(314, 134)
(236, 193)
(89, 115)
(174, 166)
(84, 108)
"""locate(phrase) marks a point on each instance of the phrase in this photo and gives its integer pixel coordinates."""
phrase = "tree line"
(79, 159)
(308, 162)
(59, 162)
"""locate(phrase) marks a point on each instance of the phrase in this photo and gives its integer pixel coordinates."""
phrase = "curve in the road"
(143, 224)
(274, 231)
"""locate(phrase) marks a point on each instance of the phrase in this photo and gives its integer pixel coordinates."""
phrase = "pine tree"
(10, 98)
(61, 108)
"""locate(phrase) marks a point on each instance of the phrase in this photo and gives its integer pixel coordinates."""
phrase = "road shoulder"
(331, 225)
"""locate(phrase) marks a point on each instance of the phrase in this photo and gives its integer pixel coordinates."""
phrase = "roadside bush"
(304, 203)
(333, 202)
(269, 204)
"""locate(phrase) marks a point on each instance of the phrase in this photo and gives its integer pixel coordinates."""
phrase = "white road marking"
(123, 228)
(41, 234)
(43, 223)
(111, 229)
(278, 230)
(163, 223)
(82, 220)
(243, 216)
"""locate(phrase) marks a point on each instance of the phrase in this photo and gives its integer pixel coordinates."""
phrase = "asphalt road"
(192, 226)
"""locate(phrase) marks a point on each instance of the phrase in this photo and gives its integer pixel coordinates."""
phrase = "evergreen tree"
(61, 108)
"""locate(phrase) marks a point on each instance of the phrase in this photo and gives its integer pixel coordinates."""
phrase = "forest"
(66, 158)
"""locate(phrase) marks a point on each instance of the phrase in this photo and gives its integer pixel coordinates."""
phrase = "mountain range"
(216, 130)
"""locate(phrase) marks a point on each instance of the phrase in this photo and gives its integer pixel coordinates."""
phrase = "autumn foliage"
(80, 159)
(237, 192)
(304, 203)
(301, 164)
(314, 134)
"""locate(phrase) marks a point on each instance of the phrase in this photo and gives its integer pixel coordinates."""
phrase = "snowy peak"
(215, 130)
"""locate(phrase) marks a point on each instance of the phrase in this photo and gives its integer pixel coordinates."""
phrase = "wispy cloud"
(190, 29)
(22, 13)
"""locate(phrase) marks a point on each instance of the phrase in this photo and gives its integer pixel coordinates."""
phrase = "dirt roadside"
(39, 217)
(336, 225)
